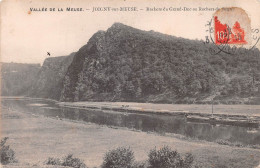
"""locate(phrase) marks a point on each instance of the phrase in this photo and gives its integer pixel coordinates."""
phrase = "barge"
(224, 121)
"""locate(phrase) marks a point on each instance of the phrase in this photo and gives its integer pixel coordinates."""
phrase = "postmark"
(230, 29)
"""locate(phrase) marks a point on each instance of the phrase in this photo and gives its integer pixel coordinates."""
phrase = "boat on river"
(224, 121)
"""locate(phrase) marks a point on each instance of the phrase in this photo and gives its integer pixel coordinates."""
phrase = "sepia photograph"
(130, 84)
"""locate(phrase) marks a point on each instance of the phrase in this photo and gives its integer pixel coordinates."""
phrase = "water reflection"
(144, 122)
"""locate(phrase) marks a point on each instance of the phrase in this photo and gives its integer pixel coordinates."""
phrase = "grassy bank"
(35, 138)
(246, 110)
(237, 115)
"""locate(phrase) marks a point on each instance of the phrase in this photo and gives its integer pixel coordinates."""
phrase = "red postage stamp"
(232, 26)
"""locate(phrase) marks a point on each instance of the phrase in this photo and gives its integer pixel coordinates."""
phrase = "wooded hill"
(17, 78)
(127, 64)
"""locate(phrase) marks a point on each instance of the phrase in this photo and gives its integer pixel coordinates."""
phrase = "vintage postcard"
(130, 84)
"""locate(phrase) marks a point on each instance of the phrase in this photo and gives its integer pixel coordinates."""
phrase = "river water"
(144, 122)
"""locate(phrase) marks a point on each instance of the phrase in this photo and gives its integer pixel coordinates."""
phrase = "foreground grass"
(35, 138)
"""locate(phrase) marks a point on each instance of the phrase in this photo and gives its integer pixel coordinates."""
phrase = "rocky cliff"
(127, 64)
(50, 78)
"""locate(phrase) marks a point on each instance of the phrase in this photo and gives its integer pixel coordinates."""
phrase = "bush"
(225, 142)
(187, 162)
(69, 161)
(53, 161)
(119, 158)
(139, 165)
(222, 142)
(73, 162)
(168, 158)
(7, 154)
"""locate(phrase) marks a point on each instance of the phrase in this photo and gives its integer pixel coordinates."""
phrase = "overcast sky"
(27, 37)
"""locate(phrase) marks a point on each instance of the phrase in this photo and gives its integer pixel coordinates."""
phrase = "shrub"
(53, 161)
(168, 158)
(225, 142)
(119, 158)
(73, 162)
(222, 142)
(187, 162)
(7, 154)
(69, 161)
(139, 165)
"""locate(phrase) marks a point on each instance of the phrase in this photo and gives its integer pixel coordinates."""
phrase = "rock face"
(17, 78)
(127, 64)
(50, 78)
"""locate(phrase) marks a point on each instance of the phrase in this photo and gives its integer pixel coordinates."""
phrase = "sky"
(26, 37)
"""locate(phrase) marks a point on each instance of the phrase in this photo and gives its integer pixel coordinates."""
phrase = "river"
(144, 122)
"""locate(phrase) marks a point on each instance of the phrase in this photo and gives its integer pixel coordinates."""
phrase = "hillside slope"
(127, 64)
(50, 77)
(17, 78)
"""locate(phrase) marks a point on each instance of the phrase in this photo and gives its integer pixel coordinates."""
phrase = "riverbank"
(35, 138)
(218, 109)
(235, 110)
(237, 115)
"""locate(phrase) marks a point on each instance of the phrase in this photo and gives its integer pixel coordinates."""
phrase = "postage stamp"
(230, 29)
(232, 26)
